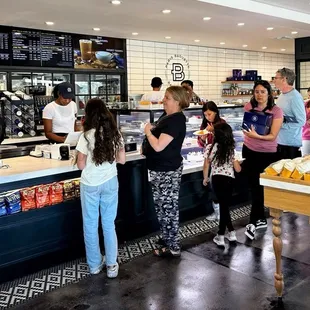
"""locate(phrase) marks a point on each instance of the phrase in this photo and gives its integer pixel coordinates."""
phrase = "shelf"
(237, 95)
(242, 82)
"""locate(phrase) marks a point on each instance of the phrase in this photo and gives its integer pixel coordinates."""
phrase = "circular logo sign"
(177, 69)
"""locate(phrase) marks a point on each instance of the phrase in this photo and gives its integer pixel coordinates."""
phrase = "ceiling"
(184, 24)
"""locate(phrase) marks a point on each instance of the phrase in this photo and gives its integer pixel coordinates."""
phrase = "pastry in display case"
(131, 123)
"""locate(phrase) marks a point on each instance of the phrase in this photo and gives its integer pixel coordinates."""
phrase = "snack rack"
(18, 110)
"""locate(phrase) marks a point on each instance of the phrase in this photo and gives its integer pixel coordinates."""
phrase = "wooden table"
(283, 194)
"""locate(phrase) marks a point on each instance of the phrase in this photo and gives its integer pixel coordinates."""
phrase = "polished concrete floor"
(239, 277)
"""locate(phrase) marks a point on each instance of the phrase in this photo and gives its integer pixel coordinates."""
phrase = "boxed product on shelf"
(42, 195)
(77, 188)
(28, 198)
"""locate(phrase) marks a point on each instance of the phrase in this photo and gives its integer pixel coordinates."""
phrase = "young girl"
(99, 148)
(221, 156)
(211, 117)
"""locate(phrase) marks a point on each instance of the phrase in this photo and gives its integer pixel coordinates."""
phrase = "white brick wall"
(208, 66)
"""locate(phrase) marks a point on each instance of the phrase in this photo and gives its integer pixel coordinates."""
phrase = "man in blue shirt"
(292, 104)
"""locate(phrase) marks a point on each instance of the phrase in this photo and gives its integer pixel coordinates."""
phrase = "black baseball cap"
(65, 89)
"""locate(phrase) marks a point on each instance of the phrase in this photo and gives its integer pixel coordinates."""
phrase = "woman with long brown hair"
(99, 148)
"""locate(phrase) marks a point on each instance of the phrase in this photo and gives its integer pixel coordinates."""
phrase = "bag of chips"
(12, 201)
(42, 195)
(56, 193)
(77, 188)
(3, 210)
(69, 191)
(28, 198)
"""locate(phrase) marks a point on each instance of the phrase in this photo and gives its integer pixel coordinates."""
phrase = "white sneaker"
(219, 240)
(250, 231)
(231, 236)
(112, 271)
(100, 267)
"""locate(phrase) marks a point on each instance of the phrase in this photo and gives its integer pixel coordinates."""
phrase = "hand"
(210, 127)
(148, 127)
(205, 182)
(308, 121)
(252, 133)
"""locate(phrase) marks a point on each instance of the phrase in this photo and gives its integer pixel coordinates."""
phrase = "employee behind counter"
(59, 116)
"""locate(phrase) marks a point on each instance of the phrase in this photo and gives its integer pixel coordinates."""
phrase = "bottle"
(28, 120)
(18, 123)
(18, 132)
(30, 130)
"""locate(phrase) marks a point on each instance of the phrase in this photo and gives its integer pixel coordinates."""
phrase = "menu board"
(26, 49)
(95, 52)
(41, 49)
(4, 47)
(56, 50)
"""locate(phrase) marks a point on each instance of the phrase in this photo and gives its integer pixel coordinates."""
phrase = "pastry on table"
(276, 168)
(301, 169)
(288, 169)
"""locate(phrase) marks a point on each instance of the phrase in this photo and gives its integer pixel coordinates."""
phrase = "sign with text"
(177, 69)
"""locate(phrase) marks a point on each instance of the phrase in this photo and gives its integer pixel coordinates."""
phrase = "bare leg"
(277, 246)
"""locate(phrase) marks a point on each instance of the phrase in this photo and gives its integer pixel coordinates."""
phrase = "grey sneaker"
(261, 224)
(100, 267)
(231, 236)
(219, 240)
(112, 271)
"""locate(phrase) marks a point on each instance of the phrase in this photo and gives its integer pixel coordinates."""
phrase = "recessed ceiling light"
(270, 28)
(135, 33)
(167, 37)
(206, 18)
(49, 23)
(197, 40)
(222, 43)
(240, 24)
(166, 11)
(244, 45)
(294, 32)
(283, 49)
(116, 2)
(264, 47)
(96, 29)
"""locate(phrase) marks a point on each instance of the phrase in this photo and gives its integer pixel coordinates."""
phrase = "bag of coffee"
(28, 198)
(77, 188)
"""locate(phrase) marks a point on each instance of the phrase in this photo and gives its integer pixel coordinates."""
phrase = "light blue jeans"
(104, 199)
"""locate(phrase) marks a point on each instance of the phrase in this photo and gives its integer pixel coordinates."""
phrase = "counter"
(56, 231)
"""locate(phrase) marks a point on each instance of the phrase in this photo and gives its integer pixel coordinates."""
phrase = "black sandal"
(165, 252)
(161, 242)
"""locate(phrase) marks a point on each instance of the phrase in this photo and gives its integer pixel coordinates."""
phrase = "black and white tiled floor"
(23, 289)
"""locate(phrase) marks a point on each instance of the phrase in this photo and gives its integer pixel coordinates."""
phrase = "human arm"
(81, 160)
(206, 166)
(237, 166)
(48, 125)
(121, 156)
(157, 144)
(274, 131)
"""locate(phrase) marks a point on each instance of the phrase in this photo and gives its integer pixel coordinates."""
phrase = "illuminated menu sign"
(4, 48)
(56, 50)
(26, 49)
(36, 48)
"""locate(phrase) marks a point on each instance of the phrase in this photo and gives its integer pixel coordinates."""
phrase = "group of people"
(157, 95)
(101, 146)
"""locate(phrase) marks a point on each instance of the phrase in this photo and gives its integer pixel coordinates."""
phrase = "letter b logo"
(177, 72)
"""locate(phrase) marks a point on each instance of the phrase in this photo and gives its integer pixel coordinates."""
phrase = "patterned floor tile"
(21, 290)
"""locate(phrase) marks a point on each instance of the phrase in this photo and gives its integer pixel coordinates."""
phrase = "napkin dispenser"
(60, 151)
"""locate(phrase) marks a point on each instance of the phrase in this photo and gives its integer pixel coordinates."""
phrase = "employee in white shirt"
(156, 95)
(59, 116)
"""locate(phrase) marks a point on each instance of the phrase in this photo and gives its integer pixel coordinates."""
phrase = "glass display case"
(131, 123)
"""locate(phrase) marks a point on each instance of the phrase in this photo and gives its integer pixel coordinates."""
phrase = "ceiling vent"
(284, 38)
